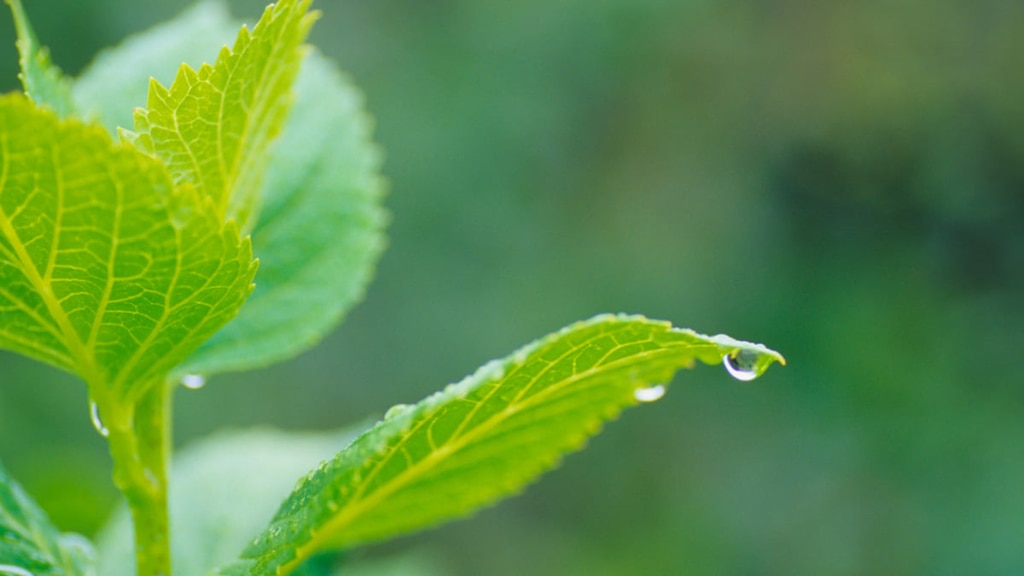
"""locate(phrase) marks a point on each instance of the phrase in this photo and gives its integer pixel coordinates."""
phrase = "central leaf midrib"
(70, 337)
(115, 234)
(231, 176)
(359, 504)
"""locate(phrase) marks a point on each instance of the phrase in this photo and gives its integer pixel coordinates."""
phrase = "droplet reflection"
(97, 423)
(741, 365)
(649, 394)
(193, 381)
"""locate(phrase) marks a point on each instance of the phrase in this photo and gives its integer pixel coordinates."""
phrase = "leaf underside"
(107, 270)
(320, 232)
(30, 543)
(483, 438)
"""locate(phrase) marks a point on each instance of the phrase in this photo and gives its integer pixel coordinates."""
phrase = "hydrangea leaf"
(115, 83)
(31, 545)
(107, 269)
(484, 438)
(44, 83)
(214, 125)
(320, 233)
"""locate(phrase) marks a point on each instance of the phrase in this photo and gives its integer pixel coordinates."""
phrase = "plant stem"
(139, 438)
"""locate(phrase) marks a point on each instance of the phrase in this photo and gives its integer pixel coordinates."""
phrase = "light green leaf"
(44, 83)
(30, 544)
(106, 269)
(214, 125)
(320, 233)
(485, 437)
(224, 491)
(115, 84)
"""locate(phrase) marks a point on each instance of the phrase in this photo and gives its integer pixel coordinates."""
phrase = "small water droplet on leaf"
(649, 394)
(396, 410)
(193, 381)
(742, 365)
(97, 423)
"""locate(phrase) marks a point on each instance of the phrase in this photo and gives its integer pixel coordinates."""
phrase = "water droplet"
(13, 570)
(396, 410)
(94, 415)
(193, 381)
(649, 394)
(742, 365)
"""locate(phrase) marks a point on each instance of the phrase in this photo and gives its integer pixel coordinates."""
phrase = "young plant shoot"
(132, 214)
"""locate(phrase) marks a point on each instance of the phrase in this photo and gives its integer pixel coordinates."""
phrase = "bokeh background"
(843, 181)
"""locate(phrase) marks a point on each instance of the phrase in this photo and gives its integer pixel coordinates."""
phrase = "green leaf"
(30, 544)
(43, 82)
(485, 437)
(320, 233)
(106, 269)
(225, 490)
(213, 126)
(115, 83)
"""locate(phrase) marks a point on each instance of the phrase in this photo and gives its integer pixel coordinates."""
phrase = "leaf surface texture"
(320, 233)
(107, 269)
(483, 438)
(214, 125)
(320, 230)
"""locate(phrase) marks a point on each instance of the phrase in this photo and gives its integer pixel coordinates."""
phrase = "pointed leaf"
(320, 232)
(116, 82)
(30, 544)
(43, 82)
(483, 438)
(106, 269)
(213, 125)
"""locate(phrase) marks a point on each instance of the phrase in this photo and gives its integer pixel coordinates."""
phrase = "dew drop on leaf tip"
(742, 365)
(97, 423)
(650, 393)
(193, 381)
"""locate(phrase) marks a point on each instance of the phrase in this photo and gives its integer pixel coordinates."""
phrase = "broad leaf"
(224, 491)
(116, 83)
(485, 437)
(214, 125)
(320, 230)
(31, 545)
(44, 83)
(319, 235)
(106, 269)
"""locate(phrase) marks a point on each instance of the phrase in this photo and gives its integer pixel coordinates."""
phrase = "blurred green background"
(842, 181)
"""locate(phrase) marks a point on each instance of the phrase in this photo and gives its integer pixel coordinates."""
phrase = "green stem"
(139, 438)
